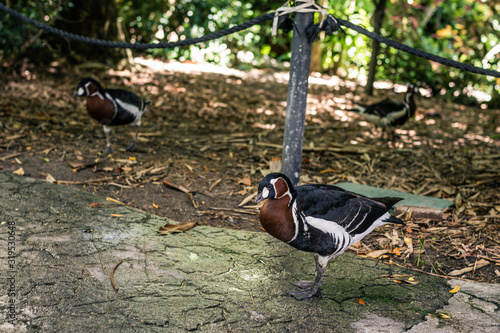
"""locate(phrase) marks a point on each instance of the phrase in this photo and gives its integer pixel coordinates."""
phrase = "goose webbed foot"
(107, 150)
(306, 289)
(131, 147)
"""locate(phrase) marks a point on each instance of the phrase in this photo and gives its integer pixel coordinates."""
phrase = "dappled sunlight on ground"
(217, 131)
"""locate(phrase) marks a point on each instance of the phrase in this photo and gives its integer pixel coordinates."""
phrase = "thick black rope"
(419, 53)
(137, 46)
(246, 25)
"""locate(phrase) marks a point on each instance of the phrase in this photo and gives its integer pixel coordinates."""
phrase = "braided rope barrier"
(137, 46)
(419, 53)
(244, 26)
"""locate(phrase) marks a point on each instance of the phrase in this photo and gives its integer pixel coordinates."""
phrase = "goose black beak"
(258, 198)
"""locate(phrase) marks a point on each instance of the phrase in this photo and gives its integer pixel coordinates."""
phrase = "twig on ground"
(112, 273)
(428, 273)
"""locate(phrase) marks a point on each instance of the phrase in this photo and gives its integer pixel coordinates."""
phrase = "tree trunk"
(95, 19)
(378, 18)
(316, 56)
(317, 52)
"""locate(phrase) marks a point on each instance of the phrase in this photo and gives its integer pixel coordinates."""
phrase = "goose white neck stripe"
(273, 182)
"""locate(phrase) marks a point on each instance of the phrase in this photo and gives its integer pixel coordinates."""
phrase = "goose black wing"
(126, 97)
(384, 108)
(355, 213)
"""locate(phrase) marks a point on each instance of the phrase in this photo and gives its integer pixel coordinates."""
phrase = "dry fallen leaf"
(376, 254)
(409, 250)
(245, 181)
(247, 199)
(178, 187)
(114, 200)
(357, 245)
(214, 184)
(155, 206)
(395, 275)
(171, 228)
(411, 281)
(94, 205)
(360, 301)
(122, 160)
(19, 172)
(444, 316)
(331, 170)
(49, 178)
(396, 251)
(419, 212)
(275, 164)
(455, 290)
(477, 265)
(117, 215)
(76, 165)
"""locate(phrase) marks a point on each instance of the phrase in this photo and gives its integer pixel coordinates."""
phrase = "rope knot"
(329, 25)
(305, 6)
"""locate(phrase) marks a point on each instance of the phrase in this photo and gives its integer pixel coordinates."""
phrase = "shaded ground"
(216, 134)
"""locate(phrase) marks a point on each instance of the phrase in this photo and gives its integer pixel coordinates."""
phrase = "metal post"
(297, 98)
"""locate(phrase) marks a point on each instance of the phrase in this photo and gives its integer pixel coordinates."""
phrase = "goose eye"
(269, 187)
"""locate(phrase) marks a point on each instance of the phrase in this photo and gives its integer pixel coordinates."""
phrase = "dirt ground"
(210, 137)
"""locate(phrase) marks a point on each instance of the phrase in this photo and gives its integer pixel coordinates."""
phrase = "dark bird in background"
(112, 107)
(323, 219)
(388, 114)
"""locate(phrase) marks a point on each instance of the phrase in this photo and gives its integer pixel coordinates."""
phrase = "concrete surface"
(410, 199)
(57, 254)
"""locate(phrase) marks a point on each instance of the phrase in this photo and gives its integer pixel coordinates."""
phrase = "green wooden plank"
(410, 199)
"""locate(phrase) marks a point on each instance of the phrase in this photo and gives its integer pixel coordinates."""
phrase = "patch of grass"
(420, 248)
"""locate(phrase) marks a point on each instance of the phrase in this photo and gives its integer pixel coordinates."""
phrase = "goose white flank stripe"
(322, 219)
(112, 107)
(379, 222)
(130, 108)
(341, 236)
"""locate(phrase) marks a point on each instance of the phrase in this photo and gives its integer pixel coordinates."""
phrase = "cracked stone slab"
(206, 279)
(474, 309)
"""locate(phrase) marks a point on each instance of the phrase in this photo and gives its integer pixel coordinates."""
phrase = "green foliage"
(170, 20)
(456, 29)
(462, 30)
(348, 53)
(16, 36)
